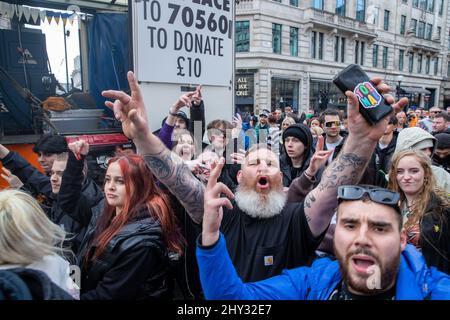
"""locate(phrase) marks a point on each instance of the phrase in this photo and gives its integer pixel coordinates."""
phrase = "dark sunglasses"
(329, 124)
(438, 112)
(378, 195)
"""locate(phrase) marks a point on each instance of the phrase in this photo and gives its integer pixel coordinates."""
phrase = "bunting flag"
(33, 15)
(49, 16)
(42, 15)
(56, 16)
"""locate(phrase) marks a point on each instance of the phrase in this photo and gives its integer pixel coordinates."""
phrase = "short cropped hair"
(51, 143)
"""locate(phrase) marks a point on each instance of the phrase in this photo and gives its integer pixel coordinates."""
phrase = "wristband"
(173, 114)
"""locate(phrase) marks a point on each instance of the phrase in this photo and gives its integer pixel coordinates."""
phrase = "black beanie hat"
(443, 140)
(299, 131)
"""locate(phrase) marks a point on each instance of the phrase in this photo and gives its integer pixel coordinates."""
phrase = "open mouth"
(263, 182)
(362, 263)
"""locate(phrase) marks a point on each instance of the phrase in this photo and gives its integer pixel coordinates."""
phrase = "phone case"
(372, 105)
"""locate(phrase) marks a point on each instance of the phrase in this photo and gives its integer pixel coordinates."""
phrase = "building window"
(242, 36)
(339, 49)
(284, 92)
(293, 41)
(428, 31)
(320, 45)
(340, 7)
(318, 4)
(415, 3)
(421, 30)
(386, 20)
(401, 54)
(317, 45)
(436, 65)
(375, 56)
(359, 52)
(402, 24)
(276, 37)
(430, 5)
(439, 30)
(419, 63)
(405, 1)
(413, 26)
(423, 4)
(427, 65)
(448, 69)
(293, 3)
(441, 7)
(361, 10)
(411, 62)
(385, 57)
(336, 48)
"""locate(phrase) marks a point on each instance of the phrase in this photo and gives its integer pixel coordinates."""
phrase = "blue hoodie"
(415, 281)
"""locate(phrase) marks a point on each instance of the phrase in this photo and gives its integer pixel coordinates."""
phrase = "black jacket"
(435, 236)
(29, 284)
(384, 156)
(135, 262)
(38, 183)
(286, 162)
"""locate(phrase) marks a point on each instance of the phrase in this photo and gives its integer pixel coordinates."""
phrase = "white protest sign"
(184, 41)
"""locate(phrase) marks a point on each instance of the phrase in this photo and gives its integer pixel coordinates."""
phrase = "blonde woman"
(28, 239)
(425, 208)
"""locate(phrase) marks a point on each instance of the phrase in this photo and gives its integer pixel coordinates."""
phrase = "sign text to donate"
(190, 36)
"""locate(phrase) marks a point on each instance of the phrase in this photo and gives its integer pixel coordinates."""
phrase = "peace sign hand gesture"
(213, 204)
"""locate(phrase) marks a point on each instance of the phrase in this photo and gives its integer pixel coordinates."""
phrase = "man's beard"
(259, 205)
(387, 273)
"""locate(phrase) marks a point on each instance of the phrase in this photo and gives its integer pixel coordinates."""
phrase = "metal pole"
(65, 54)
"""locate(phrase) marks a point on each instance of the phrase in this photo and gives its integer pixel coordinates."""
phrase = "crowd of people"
(275, 206)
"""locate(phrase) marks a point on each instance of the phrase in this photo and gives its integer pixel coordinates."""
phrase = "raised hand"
(14, 181)
(319, 158)
(197, 96)
(79, 147)
(129, 110)
(213, 204)
(184, 100)
(358, 127)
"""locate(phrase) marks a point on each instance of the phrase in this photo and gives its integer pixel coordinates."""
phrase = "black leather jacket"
(135, 262)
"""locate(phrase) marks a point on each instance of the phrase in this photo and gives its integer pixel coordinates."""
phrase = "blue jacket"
(415, 281)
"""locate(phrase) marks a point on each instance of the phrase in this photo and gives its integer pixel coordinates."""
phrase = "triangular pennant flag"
(57, 16)
(64, 17)
(71, 18)
(34, 15)
(19, 12)
(42, 15)
(49, 16)
(10, 10)
(27, 13)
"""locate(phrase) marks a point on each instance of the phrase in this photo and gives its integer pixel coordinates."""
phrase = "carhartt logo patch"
(268, 260)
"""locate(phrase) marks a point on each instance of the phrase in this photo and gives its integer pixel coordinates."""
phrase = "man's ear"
(239, 176)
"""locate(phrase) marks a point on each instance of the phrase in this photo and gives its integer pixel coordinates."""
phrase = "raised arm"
(348, 167)
(29, 175)
(165, 165)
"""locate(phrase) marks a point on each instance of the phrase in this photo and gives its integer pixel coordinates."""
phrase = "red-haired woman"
(124, 254)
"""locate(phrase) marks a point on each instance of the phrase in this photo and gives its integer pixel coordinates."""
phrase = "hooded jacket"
(408, 138)
(285, 160)
(415, 281)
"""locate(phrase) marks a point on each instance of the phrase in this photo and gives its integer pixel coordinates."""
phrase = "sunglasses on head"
(378, 195)
(329, 124)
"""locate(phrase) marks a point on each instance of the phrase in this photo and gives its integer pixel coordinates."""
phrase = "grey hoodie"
(408, 139)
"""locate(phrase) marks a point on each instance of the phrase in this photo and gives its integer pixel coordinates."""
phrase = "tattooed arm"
(321, 203)
(174, 174)
(130, 110)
